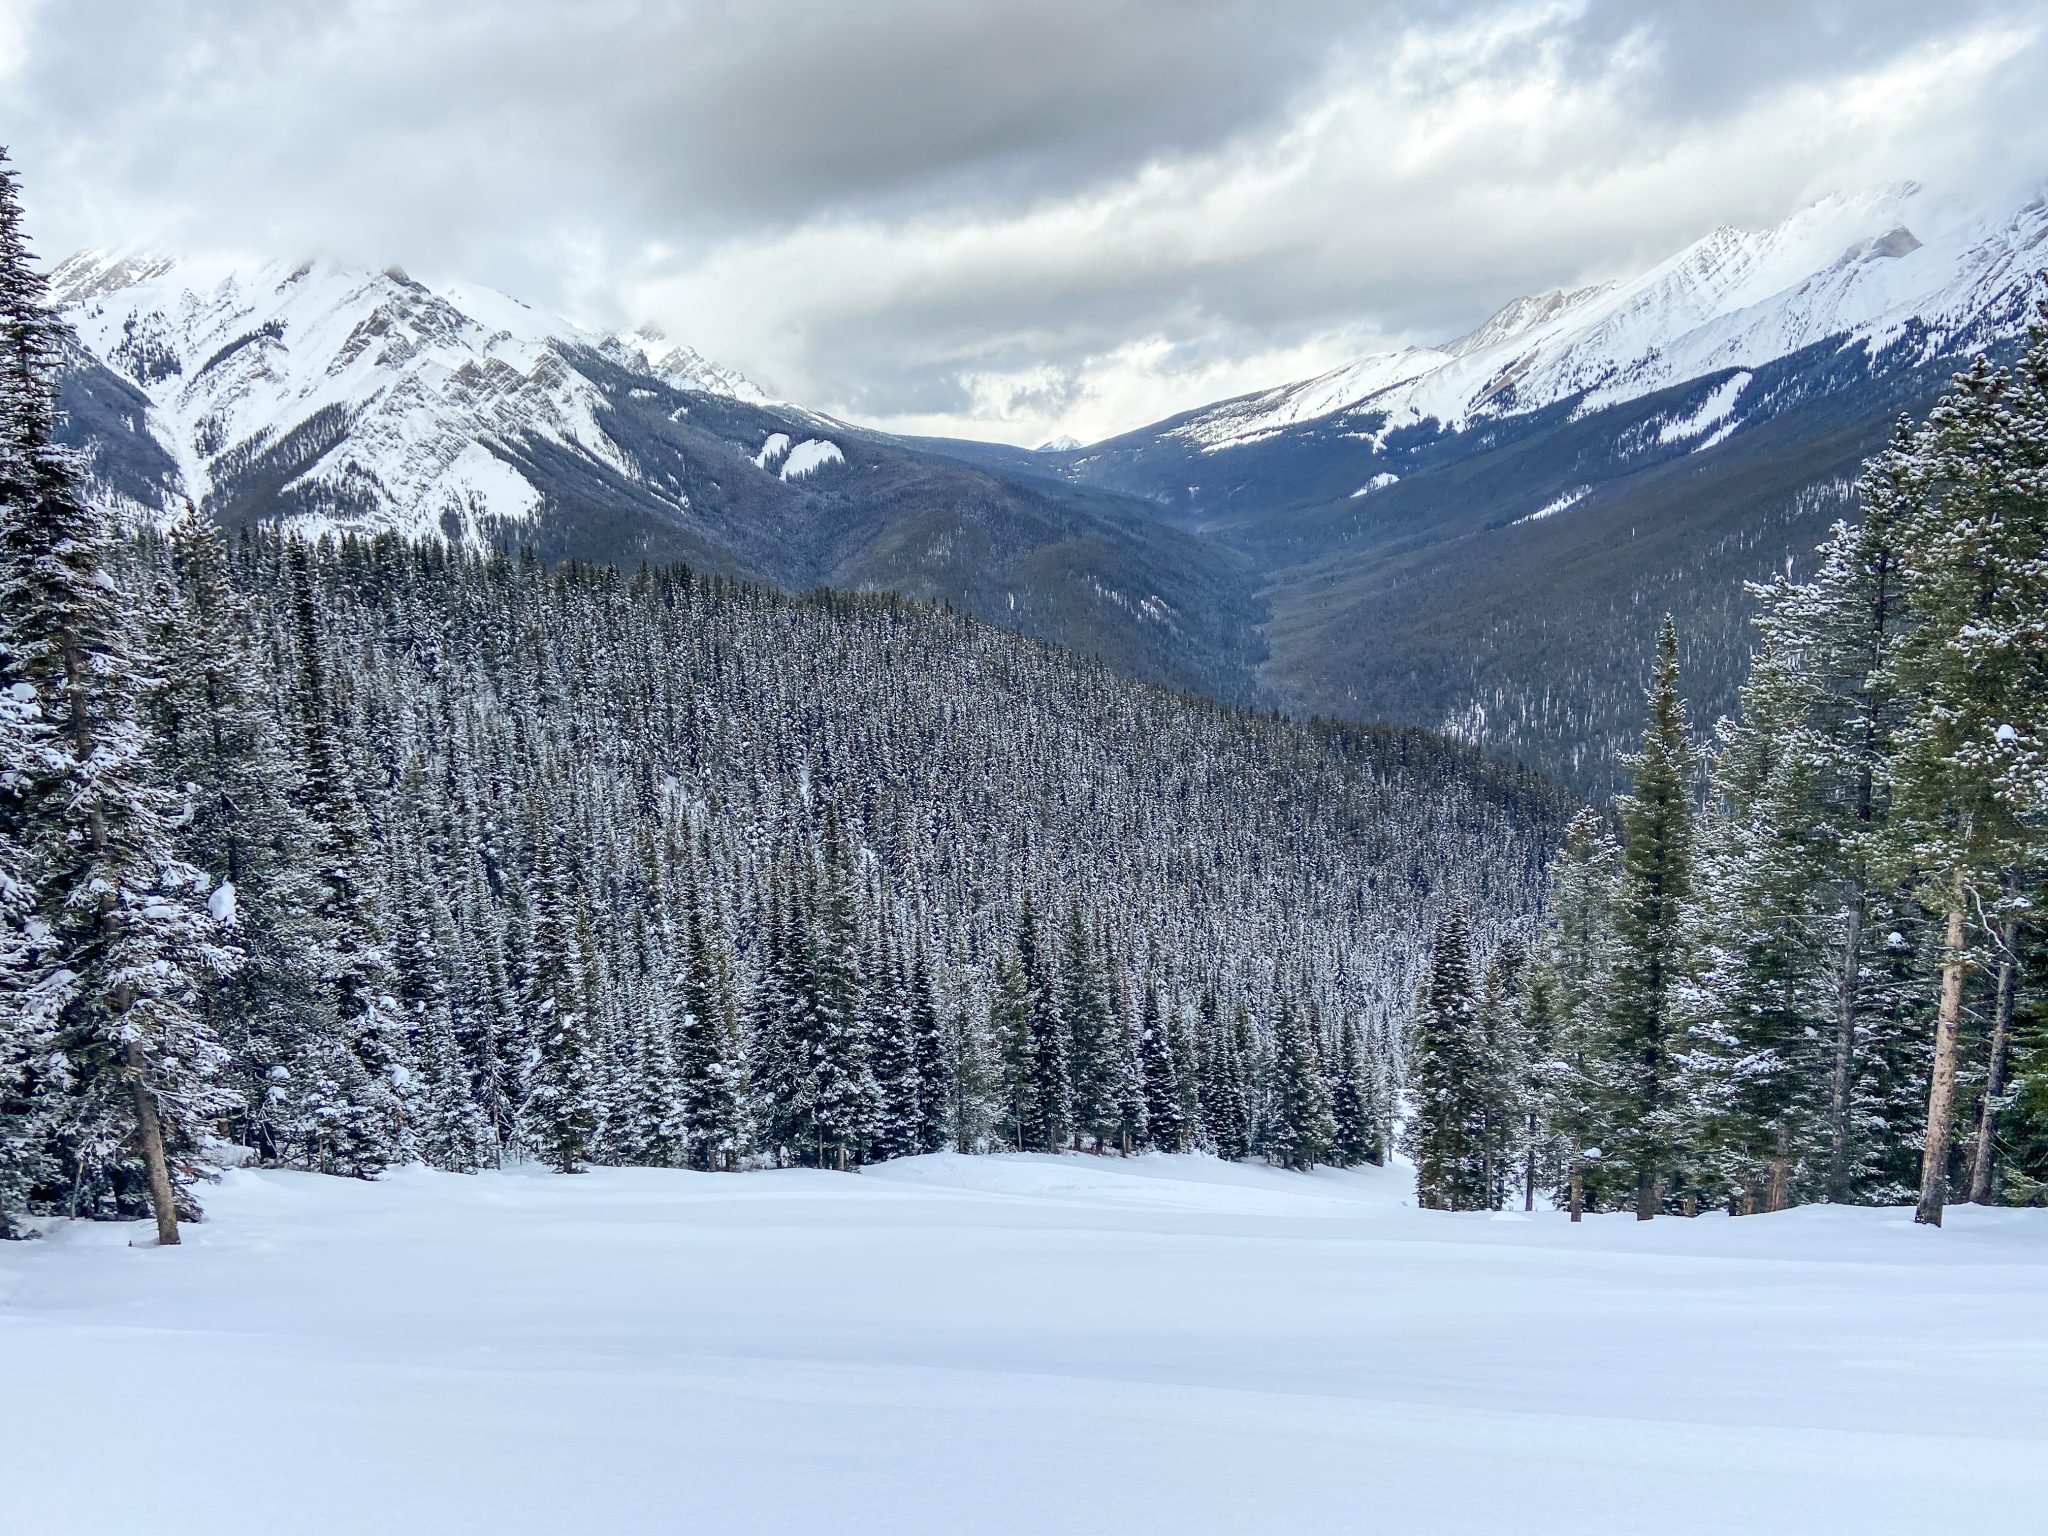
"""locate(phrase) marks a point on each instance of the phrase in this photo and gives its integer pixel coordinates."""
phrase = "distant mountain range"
(1481, 536)
(1477, 537)
(348, 401)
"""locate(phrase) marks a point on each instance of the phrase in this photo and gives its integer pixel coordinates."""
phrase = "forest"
(343, 855)
(1799, 961)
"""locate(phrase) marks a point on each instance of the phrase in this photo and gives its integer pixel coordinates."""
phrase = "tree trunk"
(162, 1198)
(1646, 1196)
(1941, 1092)
(1529, 1180)
(1844, 1072)
(1994, 1077)
(1578, 1194)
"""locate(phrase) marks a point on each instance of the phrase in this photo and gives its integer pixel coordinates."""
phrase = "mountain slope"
(1482, 535)
(338, 400)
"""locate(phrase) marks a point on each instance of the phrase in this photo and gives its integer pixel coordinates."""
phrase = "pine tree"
(1048, 1084)
(1969, 780)
(1656, 878)
(1303, 1125)
(1084, 1004)
(130, 943)
(1569, 983)
(560, 1114)
(711, 1066)
(1448, 1131)
(932, 1056)
(1166, 1120)
(1357, 1139)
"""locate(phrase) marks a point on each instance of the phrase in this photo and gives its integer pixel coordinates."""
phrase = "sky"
(1007, 221)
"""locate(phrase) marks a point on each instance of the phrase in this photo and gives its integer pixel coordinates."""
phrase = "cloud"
(997, 219)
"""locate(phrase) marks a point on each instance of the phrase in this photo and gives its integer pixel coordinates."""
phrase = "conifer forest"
(1191, 770)
(362, 852)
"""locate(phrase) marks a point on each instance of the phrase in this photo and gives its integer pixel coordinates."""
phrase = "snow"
(1556, 505)
(220, 906)
(773, 447)
(1862, 267)
(1713, 410)
(430, 381)
(1378, 482)
(813, 453)
(1015, 1344)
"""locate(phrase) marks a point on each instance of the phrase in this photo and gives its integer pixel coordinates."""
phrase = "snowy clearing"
(1013, 1344)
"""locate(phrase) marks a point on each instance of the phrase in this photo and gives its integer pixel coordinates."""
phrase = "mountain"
(1481, 535)
(335, 399)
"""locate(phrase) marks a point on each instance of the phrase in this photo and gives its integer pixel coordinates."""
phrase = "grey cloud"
(881, 206)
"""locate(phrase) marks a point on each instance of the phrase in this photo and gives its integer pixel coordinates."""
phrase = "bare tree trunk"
(1529, 1180)
(1646, 1196)
(1941, 1092)
(1994, 1077)
(1844, 1074)
(162, 1198)
(1578, 1195)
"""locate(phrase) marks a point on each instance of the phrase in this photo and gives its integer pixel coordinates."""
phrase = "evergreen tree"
(1304, 1126)
(1656, 880)
(129, 942)
(1968, 782)
(1357, 1138)
(1448, 1131)
(1166, 1121)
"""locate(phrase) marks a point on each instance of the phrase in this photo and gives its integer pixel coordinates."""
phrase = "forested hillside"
(1820, 979)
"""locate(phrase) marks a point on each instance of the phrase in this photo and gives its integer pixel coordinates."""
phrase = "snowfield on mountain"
(947, 1343)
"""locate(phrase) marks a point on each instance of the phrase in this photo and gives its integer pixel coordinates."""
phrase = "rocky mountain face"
(343, 401)
(1481, 536)
(1478, 537)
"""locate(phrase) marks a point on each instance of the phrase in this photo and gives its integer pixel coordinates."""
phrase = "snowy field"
(1014, 1344)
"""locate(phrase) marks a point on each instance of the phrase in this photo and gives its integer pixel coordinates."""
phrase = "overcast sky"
(1001, 220)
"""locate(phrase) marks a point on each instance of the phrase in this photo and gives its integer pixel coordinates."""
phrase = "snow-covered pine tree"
(1303, 1125)
(1969, 779)
(1572, 968)
(711, 1062)
(1750, 1067)
(1447, 1134)
(1226, 1117)
(559, 1118)
(1166, 1121)
(344, 1107)
(892, 1052)
(1048, 1083)
(932, 1056)
(130, 943)
(1091, 1026)
(1656, 873)
(1351, 1102)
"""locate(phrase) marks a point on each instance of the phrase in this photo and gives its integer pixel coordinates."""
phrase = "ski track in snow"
(1014, 1344)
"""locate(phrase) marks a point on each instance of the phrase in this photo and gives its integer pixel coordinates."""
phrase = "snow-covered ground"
(1014, 1344)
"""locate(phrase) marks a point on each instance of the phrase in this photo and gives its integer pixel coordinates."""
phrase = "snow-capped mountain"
(369, 398)
(1858, 271)
(333, 399)
(1480, 535)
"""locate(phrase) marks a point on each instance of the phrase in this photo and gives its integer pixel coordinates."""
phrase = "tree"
(129, 941)
(1357, 1138)
(711, 1066)
(1447, 1134)
(1571, 977)
(1303, 1124)
(1166, 1121)
(1656, 880)
(1969, 780)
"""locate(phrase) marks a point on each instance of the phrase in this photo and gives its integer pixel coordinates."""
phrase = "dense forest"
(1802, 962)
(340, 855)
